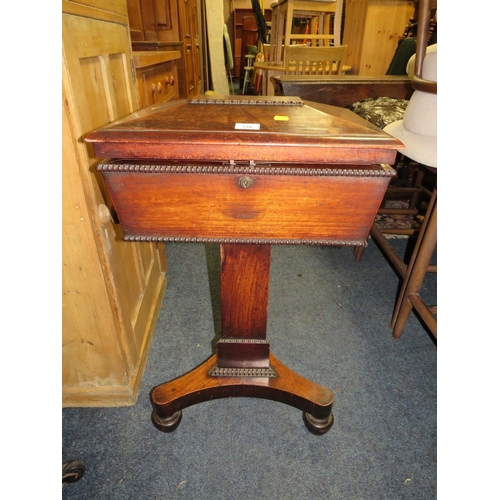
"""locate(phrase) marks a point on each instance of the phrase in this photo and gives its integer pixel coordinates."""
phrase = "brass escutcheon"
(245, 182)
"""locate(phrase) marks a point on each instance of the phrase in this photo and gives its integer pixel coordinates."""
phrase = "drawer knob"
(158, 88)
(245, 182)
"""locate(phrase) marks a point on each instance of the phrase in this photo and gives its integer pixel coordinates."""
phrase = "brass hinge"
(246, 163)
(132, 69)
(250, 163)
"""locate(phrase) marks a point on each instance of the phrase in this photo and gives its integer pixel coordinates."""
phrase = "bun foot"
(72, 471)
(168, 424)
(317, 426)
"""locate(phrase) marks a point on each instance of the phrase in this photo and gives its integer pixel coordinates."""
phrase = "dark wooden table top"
(244, 128)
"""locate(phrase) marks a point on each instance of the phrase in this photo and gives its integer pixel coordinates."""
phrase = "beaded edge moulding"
(252, 169)
(248, 102)
(253, 241)
(242, 372)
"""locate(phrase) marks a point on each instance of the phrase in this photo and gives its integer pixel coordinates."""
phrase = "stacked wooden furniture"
(169, 25)
(239, 35)
(323, 33)
(250, 36)
(283, 13)
(371, 30)
(111, 290)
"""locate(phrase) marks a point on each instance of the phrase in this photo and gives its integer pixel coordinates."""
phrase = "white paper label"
(247, 126)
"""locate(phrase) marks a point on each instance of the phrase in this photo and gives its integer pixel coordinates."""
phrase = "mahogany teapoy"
(247, 173)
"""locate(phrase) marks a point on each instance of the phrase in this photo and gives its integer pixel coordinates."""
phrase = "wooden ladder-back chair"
(418, 132)
(305, 60)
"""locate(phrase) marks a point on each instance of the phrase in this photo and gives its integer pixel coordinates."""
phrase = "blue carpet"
(329, 320)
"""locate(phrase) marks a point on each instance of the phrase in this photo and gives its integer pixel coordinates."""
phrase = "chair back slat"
(304, 60)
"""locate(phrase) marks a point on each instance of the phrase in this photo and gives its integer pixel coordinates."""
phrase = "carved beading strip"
(239, 170)
(247, 102)
(256, 241)
(242, 372)
(243, 341)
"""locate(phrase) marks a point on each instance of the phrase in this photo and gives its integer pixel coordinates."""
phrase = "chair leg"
(247, 79)
(417, 184)
(417, 268)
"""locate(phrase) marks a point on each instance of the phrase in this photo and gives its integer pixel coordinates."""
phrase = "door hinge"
(132, 70)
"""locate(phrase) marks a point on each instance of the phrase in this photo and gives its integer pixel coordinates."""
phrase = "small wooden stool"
(248, 72)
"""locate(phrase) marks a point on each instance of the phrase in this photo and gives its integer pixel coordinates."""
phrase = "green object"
(406, 48)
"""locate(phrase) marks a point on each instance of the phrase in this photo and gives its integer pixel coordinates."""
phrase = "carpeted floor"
(329, 320)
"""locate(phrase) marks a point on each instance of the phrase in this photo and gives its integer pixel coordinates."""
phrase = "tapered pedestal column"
(243, 365)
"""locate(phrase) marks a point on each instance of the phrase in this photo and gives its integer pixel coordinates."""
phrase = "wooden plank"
(146, 58)
(218, 71)
(343, 90)
(114, 11)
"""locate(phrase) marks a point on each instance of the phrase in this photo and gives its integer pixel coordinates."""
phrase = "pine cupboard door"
(188, 20)
(112, 290)
(371, 32)
(135, 19)
(152, 20)
(385, 23)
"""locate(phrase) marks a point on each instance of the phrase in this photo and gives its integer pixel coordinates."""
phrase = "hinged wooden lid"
(271, 129)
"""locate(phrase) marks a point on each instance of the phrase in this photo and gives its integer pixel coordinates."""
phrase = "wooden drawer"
(166, 201)
(157, 84)
(156, 76)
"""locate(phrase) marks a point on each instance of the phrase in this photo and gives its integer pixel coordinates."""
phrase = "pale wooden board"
(215, 21)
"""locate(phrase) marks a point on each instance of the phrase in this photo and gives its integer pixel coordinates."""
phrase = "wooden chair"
(304, 60)
(418, 132)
